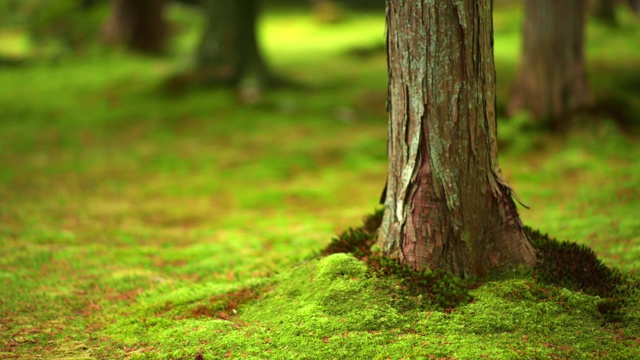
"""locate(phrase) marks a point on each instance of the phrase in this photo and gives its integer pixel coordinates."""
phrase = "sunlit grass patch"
(305, 39)
(14, 44)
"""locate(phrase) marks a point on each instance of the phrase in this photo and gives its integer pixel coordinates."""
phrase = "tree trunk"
(138, 24)
(229, 51)
(447, 204)
(605, 12)
(551, 82)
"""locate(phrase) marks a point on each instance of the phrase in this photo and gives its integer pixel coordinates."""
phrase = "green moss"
(572, 265)
(338, 265)
(406, 287)
(328, 308)
(357, 241)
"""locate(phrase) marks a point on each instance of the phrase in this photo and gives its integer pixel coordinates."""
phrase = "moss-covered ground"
(137, 224)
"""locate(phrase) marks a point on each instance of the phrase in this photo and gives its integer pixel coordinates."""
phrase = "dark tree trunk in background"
(606, 12)
(229, 51)
(137, 24)
(327, 11)
(551, 81)
(447, 204)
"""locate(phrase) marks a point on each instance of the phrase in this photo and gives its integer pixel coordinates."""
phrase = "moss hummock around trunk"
(350, 302)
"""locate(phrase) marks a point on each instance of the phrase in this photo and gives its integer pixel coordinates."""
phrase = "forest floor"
(139, 224)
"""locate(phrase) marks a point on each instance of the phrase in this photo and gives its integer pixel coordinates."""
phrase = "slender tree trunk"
(447, 204)
(229, 50)
(137, 24)
(551, 82)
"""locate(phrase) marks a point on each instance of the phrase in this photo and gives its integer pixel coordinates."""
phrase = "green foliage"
(65, 24)
(510, 134)
(12, 11)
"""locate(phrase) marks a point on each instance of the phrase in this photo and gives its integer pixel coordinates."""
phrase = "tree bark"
(447, 204)
(139, 25)
(551, 82)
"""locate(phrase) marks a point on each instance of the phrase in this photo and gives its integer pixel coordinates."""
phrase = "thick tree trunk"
(137, 24)
(447, 204)
(229, 50)
(551, 82)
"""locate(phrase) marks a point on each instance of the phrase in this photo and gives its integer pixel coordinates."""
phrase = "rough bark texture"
(551, 82)
(229, 49)
(138, 24)
(447, 204)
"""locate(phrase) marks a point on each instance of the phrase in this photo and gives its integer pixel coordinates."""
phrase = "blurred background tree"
(140, 25)
(229, 44)
(605, 10)
(551, 81)
(229, 52)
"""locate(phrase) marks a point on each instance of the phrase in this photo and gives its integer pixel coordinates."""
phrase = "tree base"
(249, 88)
(560, 263)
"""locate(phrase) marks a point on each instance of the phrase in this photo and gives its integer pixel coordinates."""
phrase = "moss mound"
(408, 288)
(356, 241)
(577, 267)
(572, 265)
(560, 263)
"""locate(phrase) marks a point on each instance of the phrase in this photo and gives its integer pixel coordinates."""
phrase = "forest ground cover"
(139, 224)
